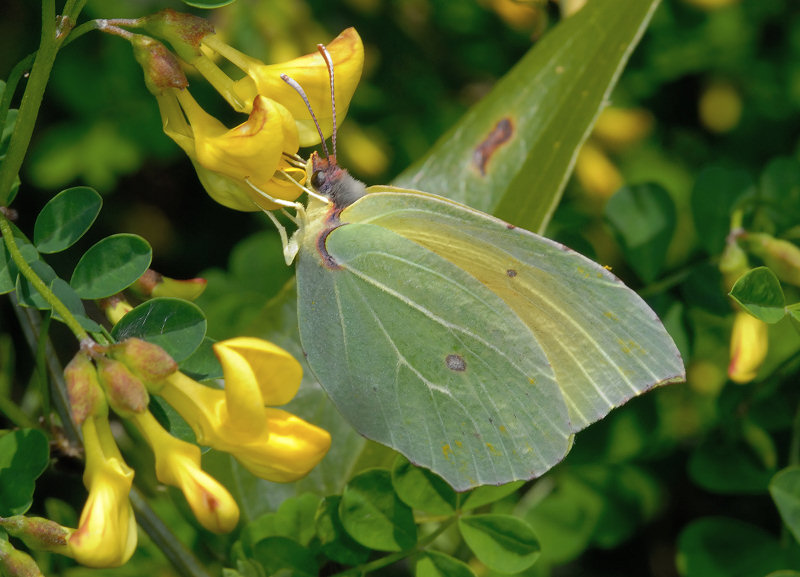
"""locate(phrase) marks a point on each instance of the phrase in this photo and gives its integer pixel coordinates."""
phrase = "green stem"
(37, 283)
(181, 558)
(31, 100)
(400, 555)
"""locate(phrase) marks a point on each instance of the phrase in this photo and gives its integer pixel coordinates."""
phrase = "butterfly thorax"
(334, 182)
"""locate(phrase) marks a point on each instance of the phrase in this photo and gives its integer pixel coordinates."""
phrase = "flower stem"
(31, 100)
(395, 557)
(37, 283)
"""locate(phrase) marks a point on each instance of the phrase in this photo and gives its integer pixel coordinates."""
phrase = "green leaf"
(334, 540)
(780, 189)
(73, 302)
(24, 455)
(281, 553)
(794, 315)
(785, 491)
(721, 547)
(435, 564)
(566, 518)
(643, 218)
(65, 218)
(294, 519)
(488, 494)
(716, 192)
(421, 489)
(28, 296)
(171, 420)
(374, 516)
(503, 543)
(111, 266)
(512, 153)
(176, 325)
(203, 364)
(759, 292)
(726, 464)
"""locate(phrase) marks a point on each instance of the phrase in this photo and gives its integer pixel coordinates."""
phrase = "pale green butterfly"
(474, 348)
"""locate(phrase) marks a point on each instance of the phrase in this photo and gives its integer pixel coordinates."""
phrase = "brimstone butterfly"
(474, 348)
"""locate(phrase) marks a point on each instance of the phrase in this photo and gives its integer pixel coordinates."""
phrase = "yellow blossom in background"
(615, 130)
(720, 107)
(749, 343)
(271, 443)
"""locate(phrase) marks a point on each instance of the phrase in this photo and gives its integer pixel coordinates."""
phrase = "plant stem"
(181, 558)
(37, 283)
(395, 557)
(31, 100)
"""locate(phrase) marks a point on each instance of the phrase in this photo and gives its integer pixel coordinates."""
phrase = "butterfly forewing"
(421, 355)
(604, 343)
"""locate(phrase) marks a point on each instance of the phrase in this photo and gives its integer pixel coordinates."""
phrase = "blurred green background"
(708, 109)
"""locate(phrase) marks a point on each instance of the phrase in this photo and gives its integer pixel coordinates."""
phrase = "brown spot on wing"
(455, 362)
(332, 223)
(500, 134)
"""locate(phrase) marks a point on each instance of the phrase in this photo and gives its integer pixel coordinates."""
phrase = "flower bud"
(15, 563)
(178, 465)
(781, 256)
(154, 284)
(147, 361)
(733, 263)
(37, 533)
(114, 307)
(183, 31)
(125, 393)
(749, 344)
(162, 70)
(86, 398)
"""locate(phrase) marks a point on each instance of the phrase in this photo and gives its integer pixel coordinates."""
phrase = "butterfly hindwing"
(424, 358)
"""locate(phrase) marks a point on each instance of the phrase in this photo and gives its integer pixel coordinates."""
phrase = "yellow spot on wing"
(493, 451)
(447, 451)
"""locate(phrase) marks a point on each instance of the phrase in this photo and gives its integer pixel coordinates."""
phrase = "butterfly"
(475, 348)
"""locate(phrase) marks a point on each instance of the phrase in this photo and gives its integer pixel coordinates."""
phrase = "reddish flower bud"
(125, 393)
(147, 361)
(83, 389)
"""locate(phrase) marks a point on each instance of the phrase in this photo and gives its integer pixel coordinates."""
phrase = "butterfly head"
(334, 182)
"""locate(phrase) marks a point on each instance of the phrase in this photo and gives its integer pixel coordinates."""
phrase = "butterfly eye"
(318, 179)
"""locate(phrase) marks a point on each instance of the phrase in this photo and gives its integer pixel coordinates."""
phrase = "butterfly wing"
(474, 349)
(420, 356)
(603, 341)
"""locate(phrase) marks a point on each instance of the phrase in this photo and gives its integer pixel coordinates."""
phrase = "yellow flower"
(178, 465)
(106, 534)
(310, 71)
(748, 347)
(271, 443)
(226, 159)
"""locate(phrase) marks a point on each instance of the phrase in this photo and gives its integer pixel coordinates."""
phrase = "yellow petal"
(277, 373)
(252, 150)
(178, 465)
(311, 72)
(749, 343)
(292, 448)
(106, 534)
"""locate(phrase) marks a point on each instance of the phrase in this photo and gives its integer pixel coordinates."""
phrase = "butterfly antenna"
(329, 61)
(299, 89)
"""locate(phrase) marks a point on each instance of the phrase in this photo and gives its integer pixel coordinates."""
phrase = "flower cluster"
(239, 419)
(259, 154)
